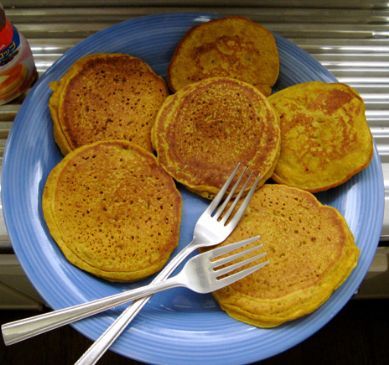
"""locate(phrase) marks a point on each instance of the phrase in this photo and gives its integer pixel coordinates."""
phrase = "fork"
(203, 273)
(207, 271)
(213, 227)
(215, 224)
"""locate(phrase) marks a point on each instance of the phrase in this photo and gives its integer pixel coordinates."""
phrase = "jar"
(17, 67)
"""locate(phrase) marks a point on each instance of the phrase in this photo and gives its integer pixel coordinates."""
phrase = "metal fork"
(208, 271)
(215, 224)
(203, 273)
(213, 227)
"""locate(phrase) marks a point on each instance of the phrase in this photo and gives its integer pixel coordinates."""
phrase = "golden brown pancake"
(106, 96)
(205, 129)
(233, 46)
(311, 252)
(325, 138)
(112, 210)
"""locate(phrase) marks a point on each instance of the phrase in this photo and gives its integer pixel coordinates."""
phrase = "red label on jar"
(11, 49)
(6, 35)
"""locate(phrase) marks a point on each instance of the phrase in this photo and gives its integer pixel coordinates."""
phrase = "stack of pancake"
(100, 200)
(106, 96)
(112, 210)
(202, 131)
(311, 252)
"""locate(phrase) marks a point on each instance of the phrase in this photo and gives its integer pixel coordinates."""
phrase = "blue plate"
(177, 326)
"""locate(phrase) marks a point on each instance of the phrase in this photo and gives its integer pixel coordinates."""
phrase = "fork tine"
(216, 200)
(227, 215)
(237, 265)
(238, 215)
(235, 256)
(230, 247)
(240, 275)
(232, 191)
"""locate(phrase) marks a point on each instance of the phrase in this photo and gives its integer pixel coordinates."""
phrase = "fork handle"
(20, 330)
(102, 344)
(23, 329)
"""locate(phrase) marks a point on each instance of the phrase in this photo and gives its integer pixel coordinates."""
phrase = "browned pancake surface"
(311, 252)
(113, 210)
(205, 129)
(107, 96)
(325, 138)
(233, 46)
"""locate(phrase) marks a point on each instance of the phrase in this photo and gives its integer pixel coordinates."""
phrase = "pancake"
(325, 138)
(106, 96)
(205, 129)
(112, 210)
(311, 252)
(234, 46)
